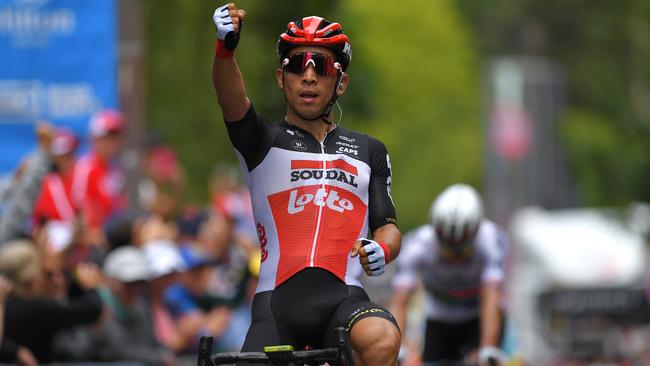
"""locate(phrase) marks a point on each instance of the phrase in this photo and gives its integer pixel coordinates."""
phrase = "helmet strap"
(328, 107)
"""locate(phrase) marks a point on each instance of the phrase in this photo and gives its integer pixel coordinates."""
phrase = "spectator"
(55, 209)
(184, 297)
(161, 190)
(230, 283)
(165, 262)
(231, 198)
(128, 334)
(5, 288)
(99, 181)
(32, 319)
(18, 199)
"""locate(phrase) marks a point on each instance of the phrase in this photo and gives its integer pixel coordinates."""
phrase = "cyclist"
(317, 189)
(458, 257)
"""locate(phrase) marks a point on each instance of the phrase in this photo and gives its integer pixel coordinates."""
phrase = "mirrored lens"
(298, 63)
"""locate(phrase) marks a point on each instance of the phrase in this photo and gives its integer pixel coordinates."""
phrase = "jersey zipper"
(320, 208)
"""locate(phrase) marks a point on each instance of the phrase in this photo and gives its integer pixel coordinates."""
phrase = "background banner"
(58, 62)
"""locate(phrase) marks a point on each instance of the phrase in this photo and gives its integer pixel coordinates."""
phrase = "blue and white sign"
(58, 62)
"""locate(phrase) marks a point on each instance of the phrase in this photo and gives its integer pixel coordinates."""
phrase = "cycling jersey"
(452, 287)
(311, 200)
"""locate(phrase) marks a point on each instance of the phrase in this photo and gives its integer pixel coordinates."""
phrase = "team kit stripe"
(329, 164)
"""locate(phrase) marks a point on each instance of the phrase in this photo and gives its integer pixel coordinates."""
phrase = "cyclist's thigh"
(262, 331)
(446, 341)
(355, 307)
(302, 306)
(469, 336)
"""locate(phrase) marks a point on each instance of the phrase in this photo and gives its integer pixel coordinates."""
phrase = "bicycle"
(283, 355)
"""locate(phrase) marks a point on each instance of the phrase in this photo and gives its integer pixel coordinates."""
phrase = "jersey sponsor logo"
(322, 198)
(299, 145)
(261, 235)
(348, 139)
(389, 180)
(295, 133)
(354, 146)
(338, 170)
(348, 150)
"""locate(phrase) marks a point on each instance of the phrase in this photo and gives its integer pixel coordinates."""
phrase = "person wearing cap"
(99, 186)
(165, 263)
(55, 209)
(185, 297)
(128, 333)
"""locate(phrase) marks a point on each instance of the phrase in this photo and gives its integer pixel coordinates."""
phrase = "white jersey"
(452, 287)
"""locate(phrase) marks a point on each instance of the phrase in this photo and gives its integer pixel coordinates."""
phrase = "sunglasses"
(323, 64)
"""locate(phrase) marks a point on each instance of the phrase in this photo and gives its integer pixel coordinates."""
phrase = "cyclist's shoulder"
(492, 236)
(353, 136)
(420, 236)
(251, 116)
(490, 228)
(422, 231)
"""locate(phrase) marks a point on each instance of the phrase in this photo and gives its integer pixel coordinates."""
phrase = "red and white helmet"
(456, 215)
(316, 31)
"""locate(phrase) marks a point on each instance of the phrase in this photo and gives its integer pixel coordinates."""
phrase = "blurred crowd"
(86, 275)
(89, 275)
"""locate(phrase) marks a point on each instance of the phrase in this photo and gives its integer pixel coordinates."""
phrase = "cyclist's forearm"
(491, 317)
(231, 91)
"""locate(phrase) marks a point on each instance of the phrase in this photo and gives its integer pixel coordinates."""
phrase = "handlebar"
(279, 355)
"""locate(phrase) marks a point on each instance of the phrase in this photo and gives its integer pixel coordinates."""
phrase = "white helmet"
(456, 215)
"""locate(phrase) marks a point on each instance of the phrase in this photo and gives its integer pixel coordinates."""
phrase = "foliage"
(413, 85)
(423, 85)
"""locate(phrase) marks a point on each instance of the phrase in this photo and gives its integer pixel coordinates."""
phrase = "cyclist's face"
(308, 85)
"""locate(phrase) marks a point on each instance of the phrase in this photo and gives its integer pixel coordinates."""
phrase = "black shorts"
(305, 310)
(450, 341)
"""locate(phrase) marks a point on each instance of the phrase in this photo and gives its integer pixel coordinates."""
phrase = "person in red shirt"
(55, 209)
(99, 187)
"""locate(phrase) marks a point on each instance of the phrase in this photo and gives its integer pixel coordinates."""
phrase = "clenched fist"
(228, 21)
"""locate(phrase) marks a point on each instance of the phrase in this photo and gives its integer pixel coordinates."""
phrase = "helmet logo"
(347, 49)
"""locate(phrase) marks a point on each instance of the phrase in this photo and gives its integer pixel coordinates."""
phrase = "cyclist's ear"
(342, 85)
(279, 77)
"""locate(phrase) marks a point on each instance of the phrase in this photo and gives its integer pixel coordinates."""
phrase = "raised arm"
(226, 76)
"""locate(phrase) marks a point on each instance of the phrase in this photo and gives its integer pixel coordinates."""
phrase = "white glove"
(225, 28)
(376, 256)
(491, 356)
